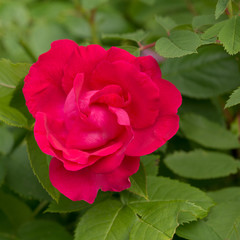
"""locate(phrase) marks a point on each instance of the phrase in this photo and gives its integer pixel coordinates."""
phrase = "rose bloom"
(96, 113)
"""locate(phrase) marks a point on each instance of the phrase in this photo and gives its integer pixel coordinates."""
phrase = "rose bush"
(96, 113)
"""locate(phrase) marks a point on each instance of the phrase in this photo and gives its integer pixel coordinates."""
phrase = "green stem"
(92, 23)
(230, 9)
(27, 50)
(39, 208)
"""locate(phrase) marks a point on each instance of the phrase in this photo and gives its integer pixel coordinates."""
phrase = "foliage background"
(197, 44)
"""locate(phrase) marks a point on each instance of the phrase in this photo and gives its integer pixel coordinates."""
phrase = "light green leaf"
(234, 98)
(10, 75)
(207, 133)
(16, 211)
(197, 231)
(12, 116)
(213, 31)
(223, 222)
(165, 189)
(43, 229)
(23, 182)
(203, 75)
(178, 44)
(138, 182)
(106, 221)
(200, 164)
(137, 36)
(220, 8)
(229, 35)
(6, 140)
(86, 4)
(225, 195)
(135, 51)
(65, 205)
(202, 20)
(166, 22)
(40, 166)
(159, 220)
(150, 163)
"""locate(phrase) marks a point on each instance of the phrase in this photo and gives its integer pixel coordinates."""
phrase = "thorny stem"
(92, 23)
(230, 9)
(90, 17)
(143, 47)
(191, 7)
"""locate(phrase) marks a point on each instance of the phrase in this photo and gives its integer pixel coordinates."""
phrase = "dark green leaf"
(6, 140)
(203, 75)
(225, 195)
(40, 166)
(24, 182)
(200, 164)
(138, 182)
(92, 4)
(166, 22)
(16, 211)
(43, 229)
(202, 20)
(207, 133)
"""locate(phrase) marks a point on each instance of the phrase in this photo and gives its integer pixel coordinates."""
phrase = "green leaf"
(179, 43)
(86, 4)
(65, 205)
(213, 31)
(2, 170)
(6, 140)
(200, 164)
(197, 231)
(150, 163)
(149, 2)
(234, 99)
(207, 133)
(165, 189)
(12, 116)
(225, 195)
(106, 221)
(16, 211)
(40, 166)
(166, 22)
(135, 51)
(223, 222)
(23, 182)
(220, 8)
(10, 75)
(202, 20)
(138, 182)
(137, 36)
(43, 229)
(159, 220)
(229, 35)
(203, 75)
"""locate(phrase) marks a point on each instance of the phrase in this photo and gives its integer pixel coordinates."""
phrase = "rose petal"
(148, 140)
(142, 111)
(84, 184)
(83, 60)
(42, 87)
(78, 185)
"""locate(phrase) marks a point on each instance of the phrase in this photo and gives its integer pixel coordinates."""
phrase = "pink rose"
(96, 113)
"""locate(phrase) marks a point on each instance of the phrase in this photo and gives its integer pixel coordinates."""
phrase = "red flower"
(96, 113)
